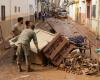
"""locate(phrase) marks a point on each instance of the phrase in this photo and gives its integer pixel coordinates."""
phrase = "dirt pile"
(78, 64)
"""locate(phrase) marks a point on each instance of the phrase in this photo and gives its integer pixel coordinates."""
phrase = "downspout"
(27, 10)
(10, 13)
(98, 22)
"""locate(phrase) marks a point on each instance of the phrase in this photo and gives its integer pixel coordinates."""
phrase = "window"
(15, 9)
(18, 9)
(88, 11)
(2, 12)
(94, 11)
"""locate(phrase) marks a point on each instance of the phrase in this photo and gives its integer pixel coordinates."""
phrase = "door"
(89, 15)
(88, 11)
(2, 12)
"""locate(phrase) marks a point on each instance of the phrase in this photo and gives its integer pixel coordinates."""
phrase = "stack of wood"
(57, 49)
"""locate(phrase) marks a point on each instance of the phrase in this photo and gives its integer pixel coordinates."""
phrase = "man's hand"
(36, 44)
(38, 50)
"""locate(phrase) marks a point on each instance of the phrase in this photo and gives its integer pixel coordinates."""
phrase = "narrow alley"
(8, 70)
(50, 40)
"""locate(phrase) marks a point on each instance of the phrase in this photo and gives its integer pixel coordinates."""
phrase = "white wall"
(39, 7)
(56, 2)
(95, 20)
(61, 3)
(24, 8)
(6, 3)
(33, 6)
(72, 11)
(11, 15)
(83, 6)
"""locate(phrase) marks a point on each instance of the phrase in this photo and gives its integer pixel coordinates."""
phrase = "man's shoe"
(20, 70)
(29, 70)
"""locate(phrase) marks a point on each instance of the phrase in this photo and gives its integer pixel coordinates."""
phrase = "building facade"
(95, 18)
(15, 8)
(86, 12)
(72, 9)
(82, 11)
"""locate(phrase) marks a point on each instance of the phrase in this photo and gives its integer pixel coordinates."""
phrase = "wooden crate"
(55, 46)
(62, 54)
(37, 58)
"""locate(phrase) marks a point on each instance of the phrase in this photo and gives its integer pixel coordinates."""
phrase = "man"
(35, 16)
(24, 46)
(16, 30)
(18, 27)
(40, 15)
(43, 16)
(28, 24)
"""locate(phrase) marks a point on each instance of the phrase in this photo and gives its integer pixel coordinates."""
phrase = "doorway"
(3, 13)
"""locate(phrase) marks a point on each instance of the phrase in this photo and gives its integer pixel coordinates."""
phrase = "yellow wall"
(76, 9)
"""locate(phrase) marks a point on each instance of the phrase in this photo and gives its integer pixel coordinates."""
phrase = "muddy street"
(8, 70)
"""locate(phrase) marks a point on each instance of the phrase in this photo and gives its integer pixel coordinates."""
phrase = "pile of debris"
(59, 52)
(76, 63)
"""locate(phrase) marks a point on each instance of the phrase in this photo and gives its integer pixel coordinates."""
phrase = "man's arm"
(35, 42)
(15, 31)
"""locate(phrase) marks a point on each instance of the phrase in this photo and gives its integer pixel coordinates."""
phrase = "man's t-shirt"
(26, 36)
(17, 29)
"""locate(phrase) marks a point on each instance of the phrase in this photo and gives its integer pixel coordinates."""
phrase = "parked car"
(62, 14)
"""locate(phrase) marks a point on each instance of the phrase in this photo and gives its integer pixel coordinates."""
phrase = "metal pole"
(27, 10)
(98, 21)
(10, 13)
(68, 11)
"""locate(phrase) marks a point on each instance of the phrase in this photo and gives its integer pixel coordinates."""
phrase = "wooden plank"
(62, 54)
(37, 58)
(55, 47)
(59, 58)
(58, 48)
(50, 44)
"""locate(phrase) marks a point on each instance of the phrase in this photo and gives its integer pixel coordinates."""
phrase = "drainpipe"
(27, 10)
(10, 13)
(68, 4)
(98, 22)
